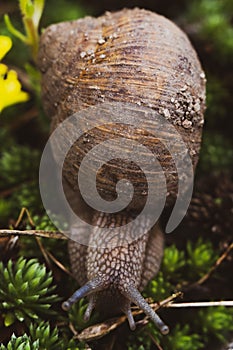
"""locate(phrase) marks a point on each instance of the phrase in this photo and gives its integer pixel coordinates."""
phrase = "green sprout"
(76, 315)
(159, 288)
(214, 23)
(201, 257)
(216, 321)
(25, 290)
(181, 338)
(48, 338)
(31, 14)
(20, 343)
(173, 261)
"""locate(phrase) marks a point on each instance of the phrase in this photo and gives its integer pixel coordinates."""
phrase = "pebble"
(184, 88)
(187, 124)
(101, 41)
(197, 107)
(202, 75)
(83, 54)
(166, 113)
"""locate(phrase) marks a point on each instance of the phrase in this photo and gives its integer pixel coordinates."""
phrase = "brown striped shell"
(133, 56)
(140, 58)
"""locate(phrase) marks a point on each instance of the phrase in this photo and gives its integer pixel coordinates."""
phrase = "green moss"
(173, 262)
(20, 343)
(214, 21)
(215, 322)
(76, 315)
(200, 258)
(48, 338)
(65, 11)
(159, 287)
(217, 95)
(182, 338)
(18, 164)
(41, 336)
(216, 153)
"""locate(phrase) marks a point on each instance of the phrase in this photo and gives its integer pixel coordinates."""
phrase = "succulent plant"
(25, 290)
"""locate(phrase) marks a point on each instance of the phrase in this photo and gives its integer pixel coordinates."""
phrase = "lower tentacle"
(132, 294)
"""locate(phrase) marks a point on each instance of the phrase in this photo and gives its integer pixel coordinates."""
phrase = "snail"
(138, 63)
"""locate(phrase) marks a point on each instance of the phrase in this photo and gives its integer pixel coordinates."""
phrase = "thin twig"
(25, 117)
(101, 329)
(38, 233)
(35, 233)
(202, 304)
(213, 268)
(154, 341)
(9, 191)
(60, 265)
(20, 218)
(43, 251)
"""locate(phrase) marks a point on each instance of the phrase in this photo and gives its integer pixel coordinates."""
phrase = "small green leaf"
(9, 319)
(19, 315)
(13, 30)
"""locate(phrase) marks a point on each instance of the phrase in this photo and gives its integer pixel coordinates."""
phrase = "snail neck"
(121, 229)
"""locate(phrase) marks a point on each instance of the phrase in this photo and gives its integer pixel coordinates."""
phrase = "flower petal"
(5, 45)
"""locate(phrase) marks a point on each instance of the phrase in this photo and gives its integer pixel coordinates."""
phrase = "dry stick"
(43, 251)
(20, 218)
(24, 118)
(8, 191)
(59, 264)
(213, 268)
(101, 329)
(38, 233)
(35, 233)
(202, 304)
(38, 240)
(154, 341)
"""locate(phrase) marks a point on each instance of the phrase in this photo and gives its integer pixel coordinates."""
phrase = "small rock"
(197, 107)
(202, 75)
(166, 113)
(184, 88)
(83, 54)
(187, 124)
(90, 52)
(101, 41)
(192, 152)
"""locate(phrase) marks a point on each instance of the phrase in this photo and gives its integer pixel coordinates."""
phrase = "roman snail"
(132, 77)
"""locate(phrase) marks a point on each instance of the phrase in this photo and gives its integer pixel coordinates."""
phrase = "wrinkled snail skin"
(131, 56)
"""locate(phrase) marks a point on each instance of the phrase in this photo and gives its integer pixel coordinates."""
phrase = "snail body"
(141, 60)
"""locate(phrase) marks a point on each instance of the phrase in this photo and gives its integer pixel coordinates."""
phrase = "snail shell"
(134, 57)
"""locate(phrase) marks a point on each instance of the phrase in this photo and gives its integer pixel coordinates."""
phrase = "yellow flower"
(10, 87)
(5, 45)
